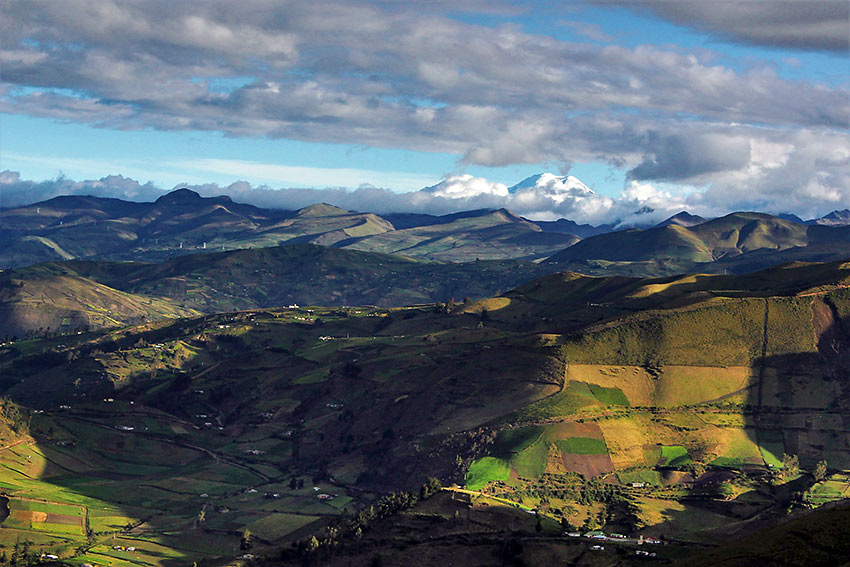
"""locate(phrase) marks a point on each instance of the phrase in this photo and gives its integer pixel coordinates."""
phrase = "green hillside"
(689, 408)
(494, 235)
(739, 242)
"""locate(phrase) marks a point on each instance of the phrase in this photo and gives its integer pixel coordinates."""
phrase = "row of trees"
(336, 536)
(21, 555)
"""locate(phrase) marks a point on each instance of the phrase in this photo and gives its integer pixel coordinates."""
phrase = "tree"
(790, 464)
(247, 540)
(313, 545)
(429, 488)
(820, 470)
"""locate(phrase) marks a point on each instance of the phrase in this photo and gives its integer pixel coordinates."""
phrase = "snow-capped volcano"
(555, 187)
(547, 197)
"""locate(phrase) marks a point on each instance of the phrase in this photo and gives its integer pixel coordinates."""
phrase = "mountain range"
(182, 221)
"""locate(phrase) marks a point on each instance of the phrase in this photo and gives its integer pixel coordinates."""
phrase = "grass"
(276, 526)
(727, 332)
(531, 462)
(572, 399)
(771, 446)
(515, 440)
(484, 470)
(609, 396)
(675, 456)
(689, 385)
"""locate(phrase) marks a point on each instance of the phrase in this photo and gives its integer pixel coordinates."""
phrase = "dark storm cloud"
(820, 25)
(683, 157)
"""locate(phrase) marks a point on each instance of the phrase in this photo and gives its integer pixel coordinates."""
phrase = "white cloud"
(466, 186)
(544, 197)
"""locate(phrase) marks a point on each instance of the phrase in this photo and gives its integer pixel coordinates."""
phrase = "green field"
(772, 447)
(609, 396)
(675, 456)
(275, 526)
(484, 470)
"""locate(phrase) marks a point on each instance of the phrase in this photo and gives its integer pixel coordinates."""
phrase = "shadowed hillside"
(690, 409)
(74, 295)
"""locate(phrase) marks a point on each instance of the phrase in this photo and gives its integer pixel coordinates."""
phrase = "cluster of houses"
(598, 535)
(122, 548)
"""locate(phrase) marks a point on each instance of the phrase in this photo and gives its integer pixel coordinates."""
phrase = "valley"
(689, 409)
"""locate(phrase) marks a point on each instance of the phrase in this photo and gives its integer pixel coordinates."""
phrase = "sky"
(433, 106)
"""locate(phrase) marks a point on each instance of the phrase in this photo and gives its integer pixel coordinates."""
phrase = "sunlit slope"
(321, 224)
(669, 380)
(566, 301)
(491, 235)
(52, 299)
(738, 242)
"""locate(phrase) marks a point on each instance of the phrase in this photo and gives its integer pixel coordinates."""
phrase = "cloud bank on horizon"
(692, 128)
(541, 197)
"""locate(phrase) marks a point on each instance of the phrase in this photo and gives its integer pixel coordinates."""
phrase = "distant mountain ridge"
(76, 227)
(738, 242)
(182, 221)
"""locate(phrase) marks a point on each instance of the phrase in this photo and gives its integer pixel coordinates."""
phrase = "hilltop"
(739, 242)
(491, 235)
(183, 222)
(66, 228)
